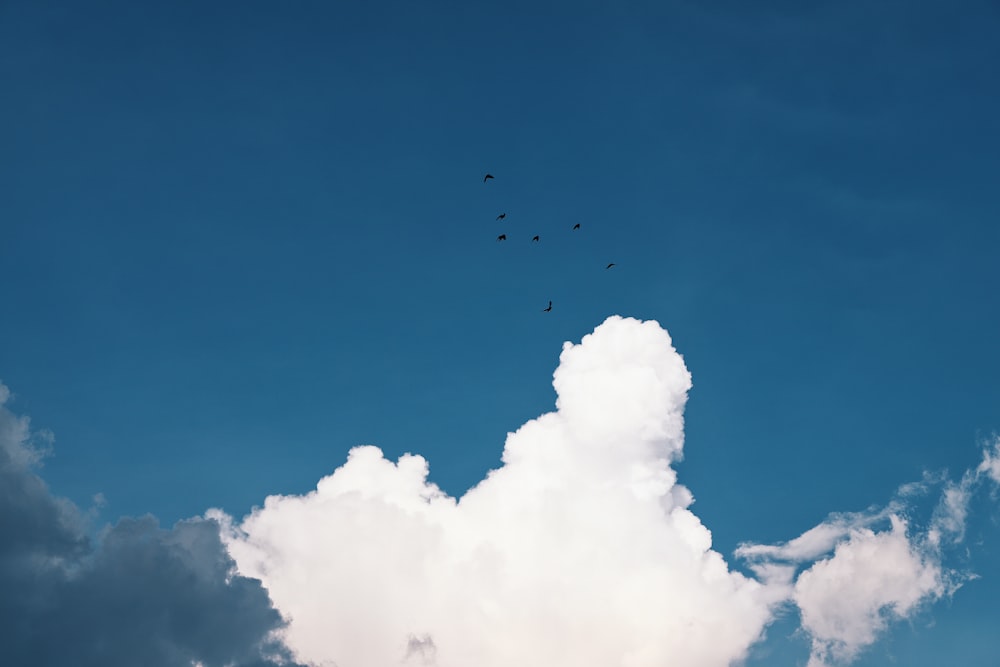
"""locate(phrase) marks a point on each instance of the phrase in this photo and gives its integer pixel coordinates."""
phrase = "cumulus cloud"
(580, 549)
(140, 595)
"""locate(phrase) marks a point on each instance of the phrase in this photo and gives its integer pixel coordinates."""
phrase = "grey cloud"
(421, 649)
(137, 595)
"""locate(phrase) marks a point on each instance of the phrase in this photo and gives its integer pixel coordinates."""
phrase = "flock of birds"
(534, 239)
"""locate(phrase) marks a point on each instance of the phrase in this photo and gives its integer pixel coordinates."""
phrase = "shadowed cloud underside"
(137, 594)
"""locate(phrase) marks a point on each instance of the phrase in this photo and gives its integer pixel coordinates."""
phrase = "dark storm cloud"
(137, 595)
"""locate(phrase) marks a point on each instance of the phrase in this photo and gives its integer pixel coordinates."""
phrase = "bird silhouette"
(609, 266)
(545, 310)
(501, 216)
(502, 237)
(576, 226)
(487, 177)
(534, 238)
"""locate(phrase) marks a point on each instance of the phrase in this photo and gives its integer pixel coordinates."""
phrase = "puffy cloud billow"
(581, 549)
(139, 595)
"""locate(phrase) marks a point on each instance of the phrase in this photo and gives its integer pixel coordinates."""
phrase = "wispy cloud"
(990, 466)
(854, 574)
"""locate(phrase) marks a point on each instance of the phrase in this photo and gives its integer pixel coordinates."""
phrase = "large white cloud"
(580, 550)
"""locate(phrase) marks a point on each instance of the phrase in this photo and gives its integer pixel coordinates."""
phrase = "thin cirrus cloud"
(582, 548)
(138, 595)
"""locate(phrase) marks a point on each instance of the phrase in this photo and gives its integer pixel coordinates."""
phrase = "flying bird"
(576, 226)
(487, 177)
(501, 216)
(545, 310)
(534, 238)
(609, 266)
(502, 237)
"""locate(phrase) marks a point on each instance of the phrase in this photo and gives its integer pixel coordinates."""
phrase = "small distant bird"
(502, 237)
(501, 216)
(545, 310)
(534, 238)
(487, 177)
(576, 226)
(609, 266)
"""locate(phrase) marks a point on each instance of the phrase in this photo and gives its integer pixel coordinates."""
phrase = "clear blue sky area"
(239, 238)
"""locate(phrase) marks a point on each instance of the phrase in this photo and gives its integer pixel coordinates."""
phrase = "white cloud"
(990, 465)
(581, 549)
(865, 569)
(948, 522)
(813, 543)
(872, 578)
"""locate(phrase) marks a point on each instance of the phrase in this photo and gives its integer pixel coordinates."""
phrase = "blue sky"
(239, 239)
